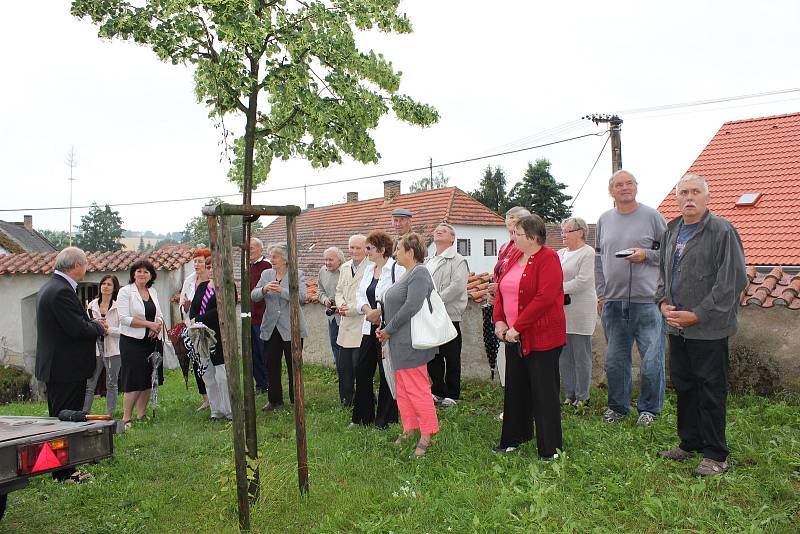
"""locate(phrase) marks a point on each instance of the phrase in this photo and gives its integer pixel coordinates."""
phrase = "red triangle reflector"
(46, 459)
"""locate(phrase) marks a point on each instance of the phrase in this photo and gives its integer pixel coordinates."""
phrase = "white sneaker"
(447, 402)
(500, 417)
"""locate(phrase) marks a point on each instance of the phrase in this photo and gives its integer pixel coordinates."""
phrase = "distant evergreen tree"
(141, 244)
(541, 193)
(100, 230)
(492, 190)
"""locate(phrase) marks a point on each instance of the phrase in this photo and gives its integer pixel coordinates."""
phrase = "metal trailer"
(31, 446)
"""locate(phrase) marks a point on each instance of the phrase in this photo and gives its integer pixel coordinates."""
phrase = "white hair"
(355, 236)
(281, 249)
(518, 212)
(576, 223)
(258, 242)
(337, 251)
(618, 173)
(69, 258)
(691, 178)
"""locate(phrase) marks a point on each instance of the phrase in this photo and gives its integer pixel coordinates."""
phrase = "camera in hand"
(333, 309)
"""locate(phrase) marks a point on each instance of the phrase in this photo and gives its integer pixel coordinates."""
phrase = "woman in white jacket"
(141, 321)
(577, 263)
(107, 351)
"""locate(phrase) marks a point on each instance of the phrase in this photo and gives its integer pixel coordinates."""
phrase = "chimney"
(28, 222)
(309, 206)
(391, 188)
(352, 196)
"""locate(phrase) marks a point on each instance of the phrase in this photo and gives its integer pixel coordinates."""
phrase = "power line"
(590, 172)
(331, 182)
(705, 102)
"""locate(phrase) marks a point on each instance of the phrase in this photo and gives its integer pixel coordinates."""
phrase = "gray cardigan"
(401, 302)
(277, 312)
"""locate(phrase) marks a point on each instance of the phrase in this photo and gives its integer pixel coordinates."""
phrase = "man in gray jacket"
(449, 271)
(702, 275)
(326, 294)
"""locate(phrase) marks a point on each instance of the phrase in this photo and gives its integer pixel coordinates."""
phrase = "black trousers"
(532, 397)
(275, 348)
(64, 396)
(369, 356)
(699, 372)
(348, 360)
(445, 368)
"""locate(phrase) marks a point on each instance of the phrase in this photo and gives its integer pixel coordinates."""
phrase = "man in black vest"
(66, 337)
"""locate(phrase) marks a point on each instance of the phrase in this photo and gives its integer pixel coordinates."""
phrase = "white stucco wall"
(478, 263)
(18, 311)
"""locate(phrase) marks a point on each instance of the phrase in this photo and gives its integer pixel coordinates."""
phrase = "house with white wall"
(23, 275)
(479, 230)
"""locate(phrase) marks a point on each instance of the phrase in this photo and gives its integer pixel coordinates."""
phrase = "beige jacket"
(350, 327)
(450, 272)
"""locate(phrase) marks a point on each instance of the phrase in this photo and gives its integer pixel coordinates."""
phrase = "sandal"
(126, 424)
(77, 477)
(421, 447)
(403, 437)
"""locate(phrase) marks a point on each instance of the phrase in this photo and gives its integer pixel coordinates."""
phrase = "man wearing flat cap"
(401, 221)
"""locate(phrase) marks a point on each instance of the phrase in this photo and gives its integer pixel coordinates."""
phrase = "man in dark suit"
(66, 337)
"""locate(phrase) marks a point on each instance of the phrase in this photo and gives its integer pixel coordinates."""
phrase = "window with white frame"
(463, 247)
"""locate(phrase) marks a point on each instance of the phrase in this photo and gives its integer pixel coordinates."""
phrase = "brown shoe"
(710, 468)
(677, 454)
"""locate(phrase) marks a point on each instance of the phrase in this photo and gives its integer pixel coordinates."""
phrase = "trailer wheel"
(3, 499)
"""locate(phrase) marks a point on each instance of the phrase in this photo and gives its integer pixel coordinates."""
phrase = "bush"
(15, 385)
(751, 372)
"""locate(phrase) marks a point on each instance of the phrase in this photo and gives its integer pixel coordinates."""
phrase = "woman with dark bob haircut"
(141, 321)
(529, 317)
(380, 276)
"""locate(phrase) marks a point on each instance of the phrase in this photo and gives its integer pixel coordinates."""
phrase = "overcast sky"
(498, 77)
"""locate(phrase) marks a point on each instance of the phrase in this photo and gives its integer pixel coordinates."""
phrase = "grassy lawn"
(175, 474)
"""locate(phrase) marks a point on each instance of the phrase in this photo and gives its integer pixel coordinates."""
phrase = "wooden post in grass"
(297, 356)
(221, 249)
(221, 245)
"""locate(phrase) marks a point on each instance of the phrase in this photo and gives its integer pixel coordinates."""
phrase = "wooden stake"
(221, 245)
(297, 356)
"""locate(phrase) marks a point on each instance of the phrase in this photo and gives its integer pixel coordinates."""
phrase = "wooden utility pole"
(614, 131)
(297, 356)
(221, 247)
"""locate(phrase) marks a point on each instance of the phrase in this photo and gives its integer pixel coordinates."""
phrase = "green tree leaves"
(492, 190)
(100, 230)
(541, 193)
(292, 68)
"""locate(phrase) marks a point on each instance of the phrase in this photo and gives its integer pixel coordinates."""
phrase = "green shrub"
(15, 385)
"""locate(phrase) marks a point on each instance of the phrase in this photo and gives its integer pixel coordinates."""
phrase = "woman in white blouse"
(107, 351)
(140, 320)
(369, 296)
(577, 262)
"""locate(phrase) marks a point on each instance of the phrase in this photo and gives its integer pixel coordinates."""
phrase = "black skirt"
(136, 371)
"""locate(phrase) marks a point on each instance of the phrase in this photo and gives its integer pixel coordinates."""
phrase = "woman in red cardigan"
(529, 316)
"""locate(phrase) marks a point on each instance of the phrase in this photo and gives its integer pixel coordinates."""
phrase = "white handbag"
(431, 326)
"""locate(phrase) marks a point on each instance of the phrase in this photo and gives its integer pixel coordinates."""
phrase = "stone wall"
(773, 333)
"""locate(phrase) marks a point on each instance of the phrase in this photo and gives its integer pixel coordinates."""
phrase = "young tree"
(541, 193)
(292, 68)
(100, 230)
(424, 184)
(492, 190)
(142, 248)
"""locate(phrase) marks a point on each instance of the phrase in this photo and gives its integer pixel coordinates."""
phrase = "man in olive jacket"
(701, 277)
(449, 270)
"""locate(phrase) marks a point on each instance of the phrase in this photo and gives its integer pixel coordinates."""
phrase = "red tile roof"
(775, 288)
(755, 156)
(331, 226)
(555, 241)
(166, 258)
